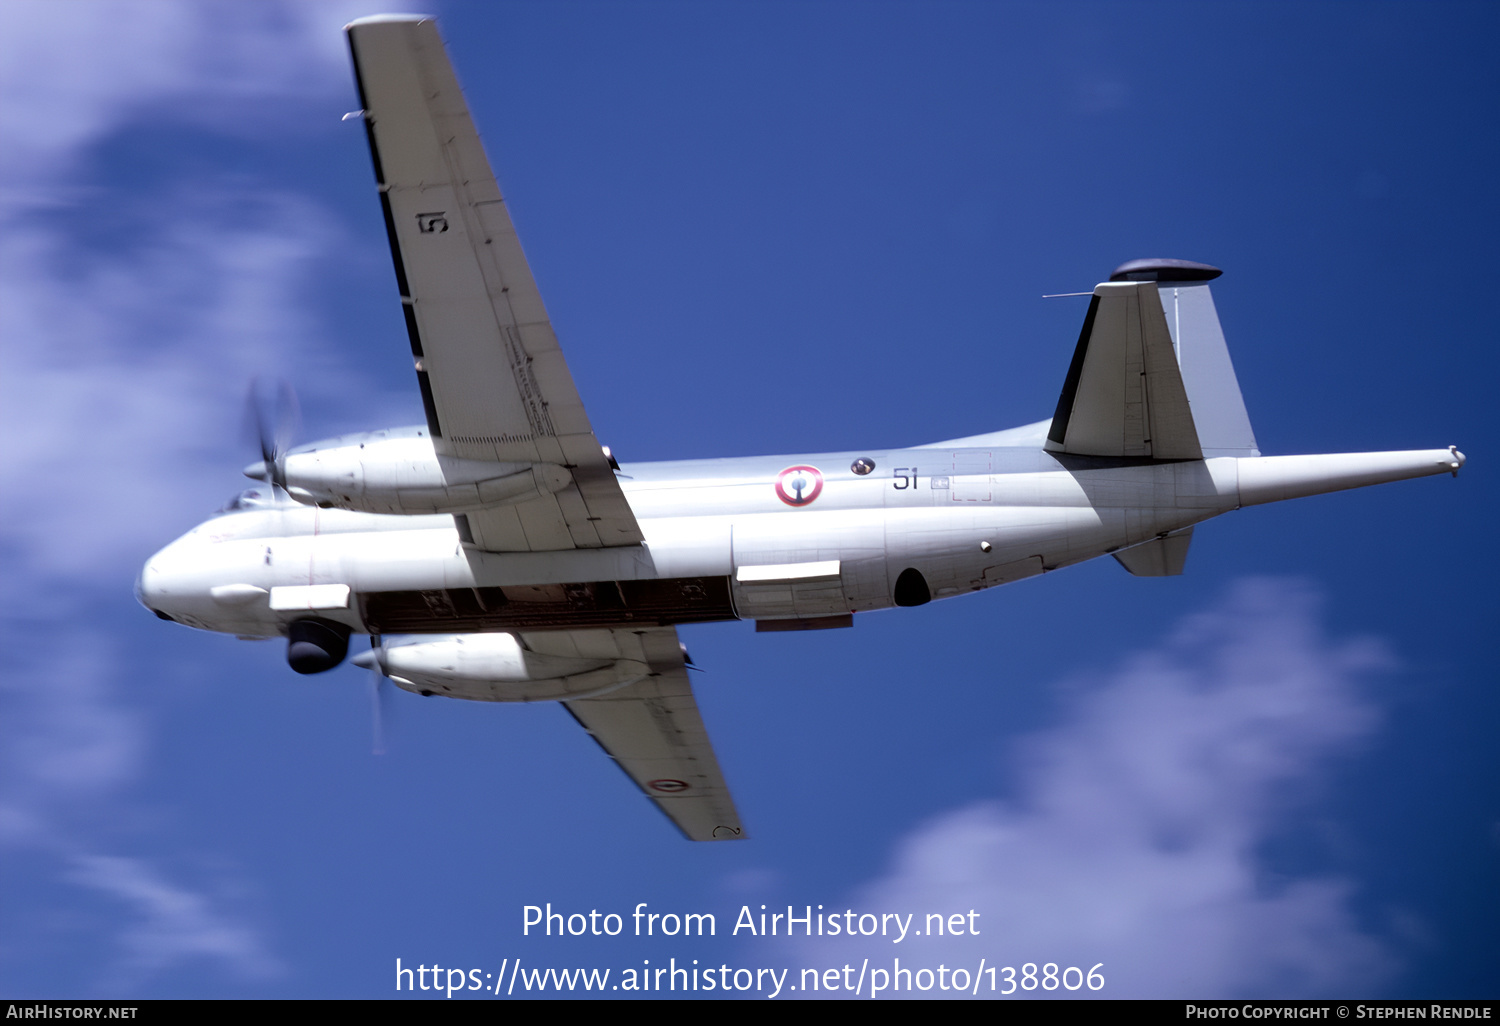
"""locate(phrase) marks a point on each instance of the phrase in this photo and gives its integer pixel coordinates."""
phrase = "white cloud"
(67, 740)
(171, 923)
(124, 379)
(1135, 837)
(126, 369)
(69, 743)
(69, 73)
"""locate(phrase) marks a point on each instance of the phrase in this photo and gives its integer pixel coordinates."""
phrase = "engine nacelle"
(399, 472)
(495, 668)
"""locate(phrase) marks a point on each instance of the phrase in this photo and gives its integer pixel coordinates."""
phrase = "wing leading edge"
(652, 729)
(494, 383)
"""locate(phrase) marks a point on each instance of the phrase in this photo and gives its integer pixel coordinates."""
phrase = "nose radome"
(148, 588)
(146, 582)
(161, 584)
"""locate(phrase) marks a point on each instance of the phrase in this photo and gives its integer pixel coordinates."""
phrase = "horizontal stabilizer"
(1124, 394)
(1159, 557)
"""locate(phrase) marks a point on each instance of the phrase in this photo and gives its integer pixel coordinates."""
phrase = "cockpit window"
(250, 498)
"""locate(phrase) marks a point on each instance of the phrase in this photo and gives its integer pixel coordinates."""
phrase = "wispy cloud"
(171, 924)
(126, 375)
(67, 740)
(1136, 835)
(70, 746)
(125, 369)
(126, 366)
(71, 73)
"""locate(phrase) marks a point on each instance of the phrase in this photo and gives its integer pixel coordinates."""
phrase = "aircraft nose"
(368, 659)
(152, 587)
(256, 470)
(147, 591)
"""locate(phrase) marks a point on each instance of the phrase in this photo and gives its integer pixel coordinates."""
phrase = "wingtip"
(384, 19)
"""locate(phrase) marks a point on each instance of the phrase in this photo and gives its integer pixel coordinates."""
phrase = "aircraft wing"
(652, 728)
(494, 382)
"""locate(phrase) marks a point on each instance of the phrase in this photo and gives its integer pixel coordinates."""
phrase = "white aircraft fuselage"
(730, 538)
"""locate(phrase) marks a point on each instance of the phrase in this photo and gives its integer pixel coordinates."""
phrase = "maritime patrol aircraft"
(499, 553)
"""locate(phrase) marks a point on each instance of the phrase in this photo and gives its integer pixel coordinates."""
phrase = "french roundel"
(798, 486)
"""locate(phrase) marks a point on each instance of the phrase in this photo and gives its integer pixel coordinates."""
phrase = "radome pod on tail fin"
(1151, 376)
(1151, 381)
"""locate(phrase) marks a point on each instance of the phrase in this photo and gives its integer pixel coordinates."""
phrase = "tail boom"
(1273, 478)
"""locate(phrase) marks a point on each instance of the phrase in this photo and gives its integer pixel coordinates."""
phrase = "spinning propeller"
(380, 694)
(272, 416)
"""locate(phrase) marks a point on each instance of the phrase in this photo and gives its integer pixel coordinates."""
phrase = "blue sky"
(769, 228)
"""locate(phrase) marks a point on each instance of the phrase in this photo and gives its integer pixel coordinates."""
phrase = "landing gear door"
(790, 565)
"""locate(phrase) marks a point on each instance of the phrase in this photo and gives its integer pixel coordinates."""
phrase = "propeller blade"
(271, 421)
(379, 696)
(380, 693)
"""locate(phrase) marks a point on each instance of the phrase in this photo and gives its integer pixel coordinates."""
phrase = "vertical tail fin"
(1151, 375)
(1213, 391)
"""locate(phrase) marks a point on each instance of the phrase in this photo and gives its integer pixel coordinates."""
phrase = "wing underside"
(652, 729)
(493, 380)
